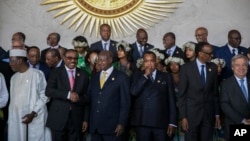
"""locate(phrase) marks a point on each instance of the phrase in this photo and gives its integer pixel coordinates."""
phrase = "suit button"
(148, 98)
(98, 102)
(100, 92)
(97, 111)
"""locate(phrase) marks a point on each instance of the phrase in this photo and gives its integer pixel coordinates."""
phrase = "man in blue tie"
(198, 99)
(105, 43)
(234, 98)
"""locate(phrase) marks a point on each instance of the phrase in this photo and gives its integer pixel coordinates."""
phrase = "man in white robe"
(27, 109)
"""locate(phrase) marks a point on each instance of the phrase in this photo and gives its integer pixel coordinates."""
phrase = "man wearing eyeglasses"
(201, 34)
(67, 87)
(198, 100)
(231, 49)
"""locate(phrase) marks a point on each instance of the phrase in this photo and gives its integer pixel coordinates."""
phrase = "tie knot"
(104, 73)
(202, 66)
(241, 80)
(71, 71)
(169, 52)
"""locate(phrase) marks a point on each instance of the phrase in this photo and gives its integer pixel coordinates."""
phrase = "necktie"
(169, 52)
(71, 79)
(243, 89)
(103, 78)
(140, 51)
(151, 78)
(203, 80)
(105, 46)
(233, 52)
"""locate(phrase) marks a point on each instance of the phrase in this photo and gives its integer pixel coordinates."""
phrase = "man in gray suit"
(235, 100)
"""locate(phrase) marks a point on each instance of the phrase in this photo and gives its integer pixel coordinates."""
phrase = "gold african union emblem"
(124, 16)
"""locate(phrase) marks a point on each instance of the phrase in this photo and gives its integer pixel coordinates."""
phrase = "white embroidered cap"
(18, 52)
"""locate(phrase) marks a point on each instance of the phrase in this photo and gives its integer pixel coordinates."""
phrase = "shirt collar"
(103, 42)
(69, 69)
(199, 63)
(238, 79)
(55, 47)
(138, 44)
(59, 63)
(231, 48)
(109, 70)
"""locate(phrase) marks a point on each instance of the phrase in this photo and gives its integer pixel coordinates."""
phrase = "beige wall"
(219, 16)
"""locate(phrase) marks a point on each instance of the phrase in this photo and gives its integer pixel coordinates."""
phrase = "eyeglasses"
(208, 53)
(72, 58)
(199, 35)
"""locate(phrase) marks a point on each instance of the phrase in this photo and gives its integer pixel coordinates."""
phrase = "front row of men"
(104, 105)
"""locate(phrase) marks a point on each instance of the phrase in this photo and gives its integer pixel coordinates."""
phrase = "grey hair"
(239, 56)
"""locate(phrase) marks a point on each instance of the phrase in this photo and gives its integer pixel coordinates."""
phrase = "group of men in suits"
(104, 107)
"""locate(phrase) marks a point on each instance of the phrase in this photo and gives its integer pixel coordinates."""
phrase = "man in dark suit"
(67, 87)
(229, 50)
(2, 53)
(201, 34)
(18, 42)
(171, 49)
(53, 59)
(53, 42)
(154, 108)
(108, 94)
(198, 99)
(106, 43)
(235, 99)
(141, 45)
(33, 55)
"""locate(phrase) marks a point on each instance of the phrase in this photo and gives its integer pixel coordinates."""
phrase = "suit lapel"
(208, 74)
(65, 77)
(110, 79)
(196, 73)
(77, 78)
(239, 91)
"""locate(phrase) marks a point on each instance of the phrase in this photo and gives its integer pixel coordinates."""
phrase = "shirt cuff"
(173, 125)
(68, 97)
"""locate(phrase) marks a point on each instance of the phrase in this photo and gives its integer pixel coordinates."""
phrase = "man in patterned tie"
(109, 99)
(234, 98)
(67, 87)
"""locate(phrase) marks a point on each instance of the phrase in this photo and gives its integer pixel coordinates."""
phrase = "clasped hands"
(74, 97)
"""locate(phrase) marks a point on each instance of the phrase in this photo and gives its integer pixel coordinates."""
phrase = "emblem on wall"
(124, 16)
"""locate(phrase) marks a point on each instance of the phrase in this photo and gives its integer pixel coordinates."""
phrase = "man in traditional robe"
(27, 109)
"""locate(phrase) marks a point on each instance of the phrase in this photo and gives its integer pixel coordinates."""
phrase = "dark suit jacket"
(154, 103)
(112, 47)
(177, 53)
(233, 103)
(43, 53)
(225, 53)
(194, 101)
(2, 53)
(57, 89)
(45, 69)
(136, 54)
(110, 105)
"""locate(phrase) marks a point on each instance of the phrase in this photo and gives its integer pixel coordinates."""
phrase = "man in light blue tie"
(235, 94)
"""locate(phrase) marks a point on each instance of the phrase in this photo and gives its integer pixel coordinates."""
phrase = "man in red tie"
(67, 88)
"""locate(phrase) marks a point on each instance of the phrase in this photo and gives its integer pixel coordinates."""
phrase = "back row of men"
(138, 48)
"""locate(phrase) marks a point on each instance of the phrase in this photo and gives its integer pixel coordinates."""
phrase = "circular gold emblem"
(124, 16)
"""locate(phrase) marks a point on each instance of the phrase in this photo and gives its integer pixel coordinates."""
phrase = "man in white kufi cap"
(27, 109)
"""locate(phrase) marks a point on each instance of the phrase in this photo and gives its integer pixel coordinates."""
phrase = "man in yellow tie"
(109, 97)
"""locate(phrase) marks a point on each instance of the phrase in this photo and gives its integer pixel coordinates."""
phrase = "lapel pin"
(177, 52)
(146, 46)
(113, 44)
(209, 69)
(78, 74)
(113, 78)
(242, 53)
(158, 81)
